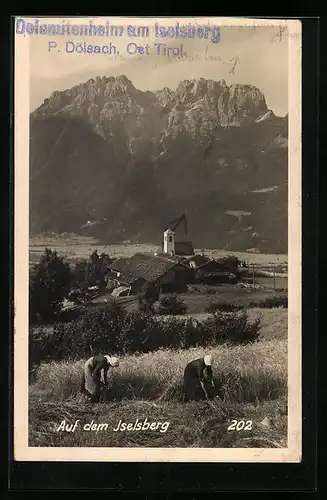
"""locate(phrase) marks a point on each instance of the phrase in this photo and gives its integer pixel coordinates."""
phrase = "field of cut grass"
(188, 425)
(251, 383)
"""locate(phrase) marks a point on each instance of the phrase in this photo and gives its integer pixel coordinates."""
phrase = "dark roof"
(148, 267)
(184, 248)
(212, 264)
(199, 260)
(120, 264)
(174, 258)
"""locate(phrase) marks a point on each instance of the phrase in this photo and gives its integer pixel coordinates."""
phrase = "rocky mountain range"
(106, 151)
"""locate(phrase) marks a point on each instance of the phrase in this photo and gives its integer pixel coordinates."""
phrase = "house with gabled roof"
(166, 272)
(208, 270)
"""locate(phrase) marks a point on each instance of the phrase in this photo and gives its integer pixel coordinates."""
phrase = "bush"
(112, 330)
(222, 306)
(147, 297)
(272, 302)
(172, 305)
(232, 328)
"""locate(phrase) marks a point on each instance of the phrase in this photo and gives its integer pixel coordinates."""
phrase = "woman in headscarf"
(93, 368)
(196, 374)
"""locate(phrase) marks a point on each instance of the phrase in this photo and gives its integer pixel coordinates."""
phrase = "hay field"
(251, 383)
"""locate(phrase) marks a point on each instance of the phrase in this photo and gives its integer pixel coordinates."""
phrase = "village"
(173, 268)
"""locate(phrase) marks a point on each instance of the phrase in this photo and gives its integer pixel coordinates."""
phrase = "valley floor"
(75, 247)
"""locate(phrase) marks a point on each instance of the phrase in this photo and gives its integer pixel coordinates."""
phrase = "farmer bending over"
(91, 381)
(196, 373)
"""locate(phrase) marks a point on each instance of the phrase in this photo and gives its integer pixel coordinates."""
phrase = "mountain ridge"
(104, 149)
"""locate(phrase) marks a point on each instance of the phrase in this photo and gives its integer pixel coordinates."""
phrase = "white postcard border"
(22, 452)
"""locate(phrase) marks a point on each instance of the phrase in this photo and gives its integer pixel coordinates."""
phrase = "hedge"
(110, 329)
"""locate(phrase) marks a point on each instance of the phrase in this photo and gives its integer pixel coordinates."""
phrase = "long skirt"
(193, 390)
(90, 386)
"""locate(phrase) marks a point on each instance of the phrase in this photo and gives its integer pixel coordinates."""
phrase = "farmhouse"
(127, 282)
(208, 270)
(166, 272)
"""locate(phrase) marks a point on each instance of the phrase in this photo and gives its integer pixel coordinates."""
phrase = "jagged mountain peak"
(141, 156)
(96, 90)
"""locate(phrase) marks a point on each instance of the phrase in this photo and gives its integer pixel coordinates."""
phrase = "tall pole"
(253, 274)
(274, 278)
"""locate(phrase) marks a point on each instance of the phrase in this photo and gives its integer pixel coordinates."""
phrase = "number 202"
(238, 426)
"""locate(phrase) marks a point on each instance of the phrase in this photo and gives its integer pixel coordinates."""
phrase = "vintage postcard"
(157, 239)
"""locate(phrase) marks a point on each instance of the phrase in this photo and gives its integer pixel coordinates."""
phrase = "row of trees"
(52, 279)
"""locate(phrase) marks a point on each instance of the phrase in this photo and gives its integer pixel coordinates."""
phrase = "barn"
(210, 271)
(168, 273)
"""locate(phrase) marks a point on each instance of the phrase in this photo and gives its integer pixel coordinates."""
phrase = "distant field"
(268, 282)
(197, 302)
(79, 247)
(255, 258)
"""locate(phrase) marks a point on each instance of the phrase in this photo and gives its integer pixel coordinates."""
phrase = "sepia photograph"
(157, 239)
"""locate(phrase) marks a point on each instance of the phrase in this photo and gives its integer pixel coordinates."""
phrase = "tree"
(148, 296)
(50, 281)
(96, 268)
(80, 272)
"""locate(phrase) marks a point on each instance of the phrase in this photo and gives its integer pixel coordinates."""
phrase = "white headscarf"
(112, 360)
(208, 360)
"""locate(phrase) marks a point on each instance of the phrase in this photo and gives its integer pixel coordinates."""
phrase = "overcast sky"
(258, 57)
